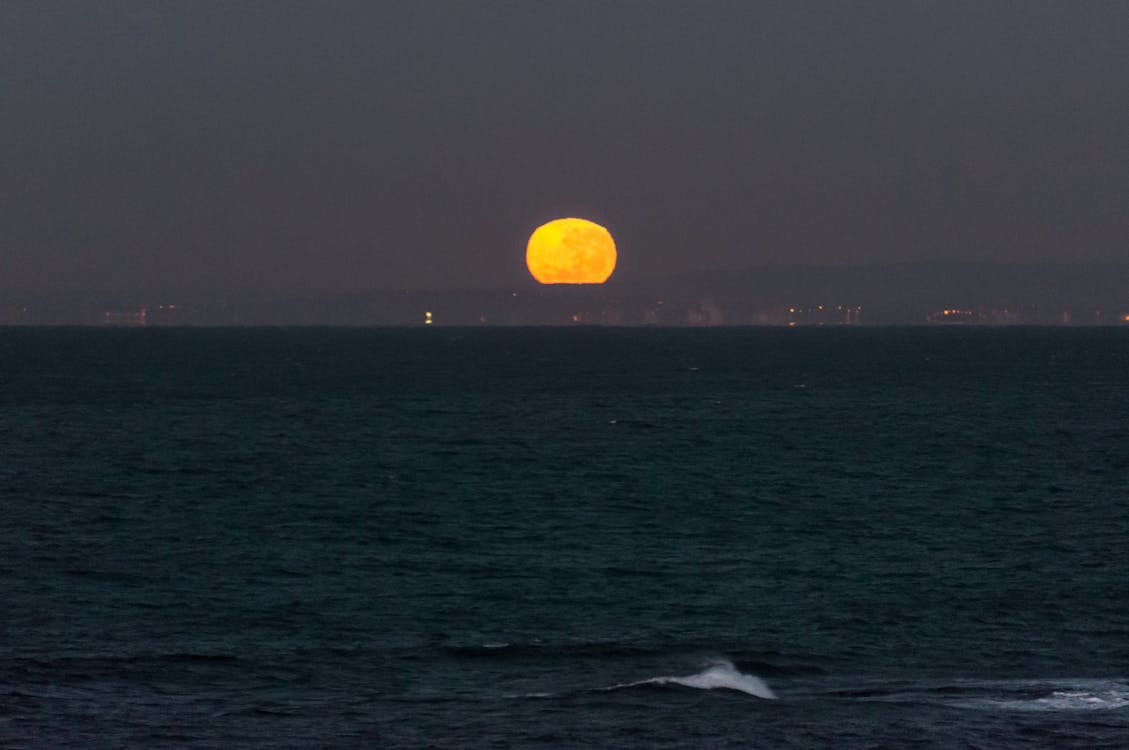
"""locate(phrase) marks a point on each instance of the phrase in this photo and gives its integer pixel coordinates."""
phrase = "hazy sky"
(349, 145)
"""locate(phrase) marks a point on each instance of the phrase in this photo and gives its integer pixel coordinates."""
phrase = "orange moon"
(570, 251)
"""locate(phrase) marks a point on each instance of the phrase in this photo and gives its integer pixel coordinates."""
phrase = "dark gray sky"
(188, 146)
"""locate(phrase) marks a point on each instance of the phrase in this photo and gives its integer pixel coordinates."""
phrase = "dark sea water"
(558, 538)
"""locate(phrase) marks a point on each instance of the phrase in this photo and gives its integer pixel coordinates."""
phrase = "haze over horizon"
(341, 147)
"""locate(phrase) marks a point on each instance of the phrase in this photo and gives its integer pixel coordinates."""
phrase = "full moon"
(570, 251)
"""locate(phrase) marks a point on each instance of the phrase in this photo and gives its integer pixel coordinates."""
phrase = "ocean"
(564, 538)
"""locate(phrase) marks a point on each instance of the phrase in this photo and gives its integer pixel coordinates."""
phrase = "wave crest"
(718, 675)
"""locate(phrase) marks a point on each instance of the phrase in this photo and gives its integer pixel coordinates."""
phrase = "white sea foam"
(1082, 696)
(1016, 695)
(718, 675)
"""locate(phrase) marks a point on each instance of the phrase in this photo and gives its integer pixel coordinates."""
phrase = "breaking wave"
(719, 675)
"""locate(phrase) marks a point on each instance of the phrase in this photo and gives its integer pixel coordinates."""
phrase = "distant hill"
(928, 284)
(907, 290)
(890, 293)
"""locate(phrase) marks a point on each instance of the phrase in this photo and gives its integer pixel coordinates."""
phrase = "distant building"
(955, 316)
(823, 315)
(126, 318)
